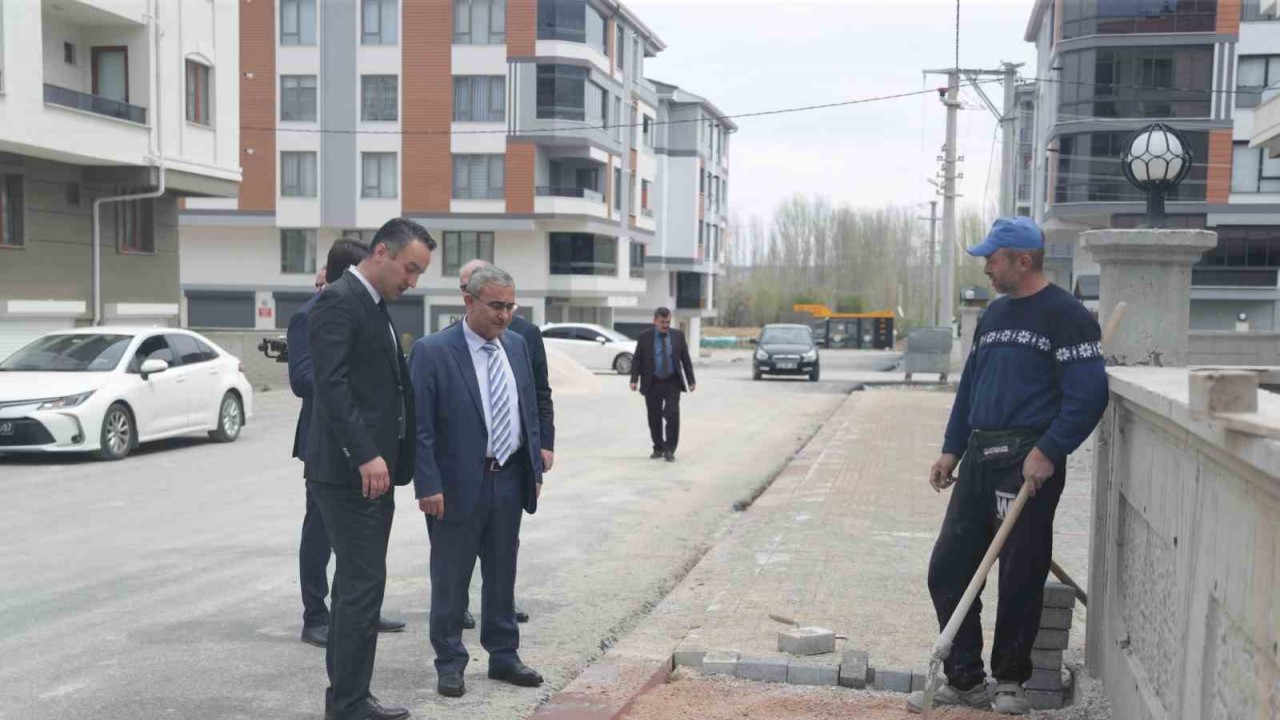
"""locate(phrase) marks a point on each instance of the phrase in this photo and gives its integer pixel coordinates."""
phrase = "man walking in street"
(1034, 387)
(359, 446)
(315, 547)
(479, 466)
(661, 371)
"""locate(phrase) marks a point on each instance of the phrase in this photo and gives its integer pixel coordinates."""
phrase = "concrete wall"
(262, 373)
(1209, 347)
(1185, 558)
(1221, 314)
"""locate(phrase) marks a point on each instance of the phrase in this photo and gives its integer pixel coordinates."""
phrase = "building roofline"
(677, 94)
(649, 35)
(1037, 17)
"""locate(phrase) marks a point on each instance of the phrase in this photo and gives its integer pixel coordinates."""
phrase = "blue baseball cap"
(1015, 233)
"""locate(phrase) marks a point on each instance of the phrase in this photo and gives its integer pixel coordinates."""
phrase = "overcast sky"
(753, 55)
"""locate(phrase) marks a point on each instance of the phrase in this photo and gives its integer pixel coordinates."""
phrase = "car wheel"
(756, 375)
(813, 376)
(622, 364)
(117, 436)
(230, 419)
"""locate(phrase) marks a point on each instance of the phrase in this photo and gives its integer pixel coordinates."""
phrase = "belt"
(492, 464)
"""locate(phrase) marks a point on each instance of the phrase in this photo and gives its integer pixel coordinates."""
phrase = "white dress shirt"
(480, 360)
(377, 298)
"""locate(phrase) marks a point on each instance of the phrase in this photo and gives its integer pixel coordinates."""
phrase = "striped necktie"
(499, 406)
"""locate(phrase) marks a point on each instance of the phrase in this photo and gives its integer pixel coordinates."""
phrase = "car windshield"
(69, 353)
(786, 336)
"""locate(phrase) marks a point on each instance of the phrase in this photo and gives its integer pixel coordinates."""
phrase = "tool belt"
(994, 460)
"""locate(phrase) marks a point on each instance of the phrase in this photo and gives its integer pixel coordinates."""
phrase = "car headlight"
(762, 355)
(811, 356)
(63, 403)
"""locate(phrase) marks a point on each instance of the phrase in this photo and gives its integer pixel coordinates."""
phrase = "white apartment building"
(522, 132)
(102, 98)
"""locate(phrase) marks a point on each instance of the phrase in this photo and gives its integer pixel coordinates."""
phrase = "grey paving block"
(854, 669)
(807, 641)
(720, 663)
(1052, 640)
(1058, 595)
(803, 673)
(1045, 700)
(893, 681)
(1050, 680)
(763, 669)
(1046, 659)
(689, 658)
(1056, 618)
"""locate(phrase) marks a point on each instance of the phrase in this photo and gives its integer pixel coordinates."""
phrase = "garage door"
(16, 332)
(220, 310)
(409, 317)
(287, 304)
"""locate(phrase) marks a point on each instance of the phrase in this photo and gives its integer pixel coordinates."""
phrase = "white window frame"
(375, 190)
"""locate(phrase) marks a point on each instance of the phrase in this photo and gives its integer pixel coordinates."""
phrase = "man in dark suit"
(361, 443)
(314, 549)
(479, 465)
(661, 371)
(546, 409)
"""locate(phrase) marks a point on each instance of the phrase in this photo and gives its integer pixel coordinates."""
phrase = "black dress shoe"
(670, 456)
(385, 625)
(450, 684)
(516, 673)
(468, 620)
(521, 616)
(657, 455)
(378, 711)
(317, 635)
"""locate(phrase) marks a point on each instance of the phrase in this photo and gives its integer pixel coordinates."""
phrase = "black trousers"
(990, 477)
(492, 534)
(663, 403)
(360, 529)
(313, 565)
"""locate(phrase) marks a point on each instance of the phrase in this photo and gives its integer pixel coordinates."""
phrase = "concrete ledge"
(764, 669)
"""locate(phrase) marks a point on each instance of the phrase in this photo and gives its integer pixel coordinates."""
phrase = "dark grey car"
(784, 349)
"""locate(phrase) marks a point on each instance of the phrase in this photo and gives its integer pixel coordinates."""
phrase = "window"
(197, 93)
(298, 98)
(562, 20)
(620, 48)
(1137, 82)
(381, 19)
(1110, 17)
(583, 254)
(562, 92)
(298, 174)
(1243, 246)
(647, 131)
(186, 349)
(597, 29)
(644, 195)
(297, 22)
(68, 53)
(636, 71)
(297, 252)
(637, 260)
(479, 22)
(479, 177)
(617, 120)
(380, 175)
(479, 98)
(617, 189)
(153, 348)
(12, 211)
(1089, 169)
(1256, 73)
(378, 98)
(1252, 171)
(594, 104)
(461, 248)
(133, 225)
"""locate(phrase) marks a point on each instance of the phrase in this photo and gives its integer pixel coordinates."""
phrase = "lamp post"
(1155, 160)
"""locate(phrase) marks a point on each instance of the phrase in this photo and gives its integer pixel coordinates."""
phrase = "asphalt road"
(165, 585)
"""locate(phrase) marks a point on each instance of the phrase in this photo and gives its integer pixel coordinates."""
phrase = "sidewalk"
(840, 540)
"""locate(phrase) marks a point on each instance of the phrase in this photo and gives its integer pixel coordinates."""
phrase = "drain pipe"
(156, 157)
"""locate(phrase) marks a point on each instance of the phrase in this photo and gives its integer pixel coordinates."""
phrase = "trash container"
(928, 351)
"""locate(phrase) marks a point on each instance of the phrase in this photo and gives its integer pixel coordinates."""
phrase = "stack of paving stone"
(1047, 690)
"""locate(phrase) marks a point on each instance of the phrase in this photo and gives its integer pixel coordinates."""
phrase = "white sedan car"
(594, 346)
(106, 389)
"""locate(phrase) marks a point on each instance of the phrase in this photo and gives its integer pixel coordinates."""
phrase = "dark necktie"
(665, 369)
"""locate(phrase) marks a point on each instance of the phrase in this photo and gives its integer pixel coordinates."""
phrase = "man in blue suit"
(478, 467)
(315, 548)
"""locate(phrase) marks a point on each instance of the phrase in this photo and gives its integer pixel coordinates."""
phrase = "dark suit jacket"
(642, 365)
(301, 375)
(538, 357)
(451, 431)
(361, 388)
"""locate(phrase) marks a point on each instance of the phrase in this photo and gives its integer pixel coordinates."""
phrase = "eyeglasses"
(498, 306)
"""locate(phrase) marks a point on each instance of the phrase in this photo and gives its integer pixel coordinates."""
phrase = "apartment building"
(98, 99)
(522, 132)
(1108, 67)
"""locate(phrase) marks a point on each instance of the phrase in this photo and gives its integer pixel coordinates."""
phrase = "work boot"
(975, 697)
(1010, 699)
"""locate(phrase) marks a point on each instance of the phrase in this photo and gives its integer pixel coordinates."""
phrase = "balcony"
(571, 192)
(86, 102)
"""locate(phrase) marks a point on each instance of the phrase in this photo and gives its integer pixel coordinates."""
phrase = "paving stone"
(1046, 659)
(1052, 640)
(807, 641)
(689, 658)
(802, 673)
(918, 681)
(1045, 680)
(1059, 595)
(854, 669)
(720, 663)
(1056, 618)
(763, 669)
(893, 681)
(1045, 700)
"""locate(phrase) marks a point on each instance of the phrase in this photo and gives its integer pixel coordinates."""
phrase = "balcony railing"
(570, 192)
(55, 95)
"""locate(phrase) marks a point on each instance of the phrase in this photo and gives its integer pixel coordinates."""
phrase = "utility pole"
(1008, 179)
(931, 316)
(947, 289)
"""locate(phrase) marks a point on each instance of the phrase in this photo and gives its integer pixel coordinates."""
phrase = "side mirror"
(151, 367)
(602, 340)
(754, 341)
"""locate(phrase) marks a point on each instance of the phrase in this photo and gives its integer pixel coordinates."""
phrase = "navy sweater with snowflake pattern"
(1037, 365)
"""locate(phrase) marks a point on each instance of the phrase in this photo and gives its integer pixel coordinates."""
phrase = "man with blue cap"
(1034, 387)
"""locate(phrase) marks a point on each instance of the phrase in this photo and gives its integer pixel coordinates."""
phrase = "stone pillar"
(968, 324)
(1150, 271)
